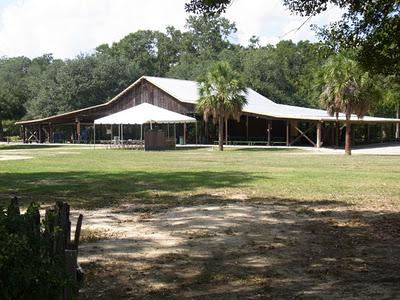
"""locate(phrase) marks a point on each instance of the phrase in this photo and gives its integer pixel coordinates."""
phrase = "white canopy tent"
(144, 113)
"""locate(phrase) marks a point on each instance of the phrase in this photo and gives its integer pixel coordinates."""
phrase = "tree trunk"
(347, 146)
(337, 132)
(1, 130)
(221, 133)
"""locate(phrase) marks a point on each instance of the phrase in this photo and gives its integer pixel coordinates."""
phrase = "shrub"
(29, 266)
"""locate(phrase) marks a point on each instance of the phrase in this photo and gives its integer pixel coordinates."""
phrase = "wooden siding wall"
(145, 92)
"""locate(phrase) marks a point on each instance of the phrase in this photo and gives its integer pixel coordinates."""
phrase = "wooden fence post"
(58, 231)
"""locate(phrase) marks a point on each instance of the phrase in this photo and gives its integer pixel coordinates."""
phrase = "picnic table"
(127, 144)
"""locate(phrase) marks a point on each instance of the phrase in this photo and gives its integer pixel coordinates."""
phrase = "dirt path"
(14, 157)
(241, 250)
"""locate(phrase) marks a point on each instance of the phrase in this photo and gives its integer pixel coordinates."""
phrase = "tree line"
(288, 72)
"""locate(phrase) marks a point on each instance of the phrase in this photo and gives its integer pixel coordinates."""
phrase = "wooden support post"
(397, 134)
(46, 134)
(94, 135)
(247, 127)
(73, 134)
(318, 143)
(78, 232)
(383, 130)
(368, 134)
(226, 131)
(196, 132)
(78, 130)
(71, 265)
(175, 132)
(269, 133)
(287, 134)
(184, 133)
(122, 134)
(23, 133)
(206, 131)
(51, 139)
(337, 133)
(40, 133)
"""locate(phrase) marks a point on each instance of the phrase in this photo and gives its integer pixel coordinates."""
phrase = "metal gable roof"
(187, 91)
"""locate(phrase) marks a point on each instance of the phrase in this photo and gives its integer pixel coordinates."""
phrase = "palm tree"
(348, 90)
(222, 95)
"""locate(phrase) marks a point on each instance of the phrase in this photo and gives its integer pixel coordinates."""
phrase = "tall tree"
(285, 72)
(373, 26)
(13, 88)
(153, 52)
(347, 90)
(222, 95)
(201, 45)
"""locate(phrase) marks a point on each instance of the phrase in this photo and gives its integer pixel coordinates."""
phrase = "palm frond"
(222, 93)
(347, 88)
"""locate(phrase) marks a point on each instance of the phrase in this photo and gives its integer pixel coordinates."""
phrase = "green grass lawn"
(238, 224)
(96, 178)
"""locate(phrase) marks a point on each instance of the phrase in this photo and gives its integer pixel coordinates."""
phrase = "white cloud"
(69, 27)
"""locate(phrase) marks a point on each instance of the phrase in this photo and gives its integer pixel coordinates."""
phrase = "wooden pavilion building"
(263, 121)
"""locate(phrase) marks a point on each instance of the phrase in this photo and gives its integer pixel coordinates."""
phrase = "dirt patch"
(242, 250)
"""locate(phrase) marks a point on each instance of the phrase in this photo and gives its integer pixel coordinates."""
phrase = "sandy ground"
(374, 149)
(14, 157)
(241, 249)
(377, 149)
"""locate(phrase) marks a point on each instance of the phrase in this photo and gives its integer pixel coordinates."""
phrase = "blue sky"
(67, 28)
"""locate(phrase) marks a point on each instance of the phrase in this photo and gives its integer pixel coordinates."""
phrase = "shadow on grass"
(91, 190)
(261, 249)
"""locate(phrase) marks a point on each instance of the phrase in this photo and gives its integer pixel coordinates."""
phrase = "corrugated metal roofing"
(187, 91)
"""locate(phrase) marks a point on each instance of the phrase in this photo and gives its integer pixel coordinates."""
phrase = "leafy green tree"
(13, 88)
(285, 72)
(221, 96)
(201, 45)
(371, 26)
(80, 82)
(46, 98)
(347, 90)
(152, 52)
